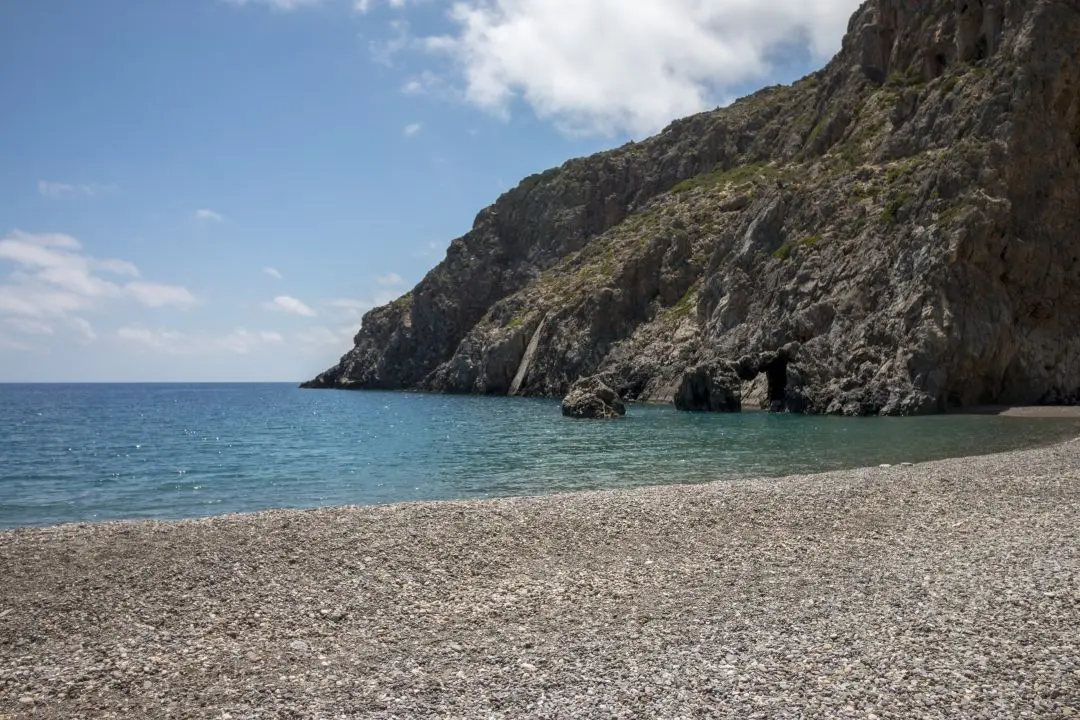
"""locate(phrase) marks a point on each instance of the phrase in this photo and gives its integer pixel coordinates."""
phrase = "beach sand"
(948, 589)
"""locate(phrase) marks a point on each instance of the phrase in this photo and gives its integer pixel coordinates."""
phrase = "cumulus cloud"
(285, 303)
(204, 214)
(272, 272)
(155, 295)
(606, 66)
(53, 278)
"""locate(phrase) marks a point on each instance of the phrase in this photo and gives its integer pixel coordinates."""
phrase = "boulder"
(710, 388)
(591, 398)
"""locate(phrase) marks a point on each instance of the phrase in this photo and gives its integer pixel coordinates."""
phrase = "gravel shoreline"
(948, 589)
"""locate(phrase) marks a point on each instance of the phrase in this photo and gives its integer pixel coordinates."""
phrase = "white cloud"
(349, 308)
(36, 300)
(57, 190)
(411, 129)
(390, 279)
(54, 278)
(363, 6)
(608, 66)
(272, 272)
(84, 327)
(430, 84)
(28, 327)
(170, 341)
(174, 342)
(155, 295)
(204, 214)
(242, 342)
(604, 66)
(288, 304)
(8, 343)
(321, 337)
(401, 39)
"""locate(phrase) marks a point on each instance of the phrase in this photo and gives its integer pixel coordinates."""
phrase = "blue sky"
(217, 189)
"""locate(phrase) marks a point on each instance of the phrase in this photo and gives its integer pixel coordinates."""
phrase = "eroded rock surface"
(590, 398)
(710, 388)
(910, 215)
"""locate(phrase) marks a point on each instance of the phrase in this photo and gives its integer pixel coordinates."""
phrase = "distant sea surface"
(72, 453)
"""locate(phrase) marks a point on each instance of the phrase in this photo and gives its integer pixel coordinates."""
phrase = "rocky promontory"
(908, 217)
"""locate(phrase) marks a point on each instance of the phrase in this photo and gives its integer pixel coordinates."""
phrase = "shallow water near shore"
(73, 453)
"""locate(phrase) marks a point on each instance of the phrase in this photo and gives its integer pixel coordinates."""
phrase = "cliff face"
(896, 233)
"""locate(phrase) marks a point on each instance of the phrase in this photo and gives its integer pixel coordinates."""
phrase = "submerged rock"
(590, 398)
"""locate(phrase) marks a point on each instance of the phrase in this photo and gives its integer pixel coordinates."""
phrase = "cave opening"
(777, 376)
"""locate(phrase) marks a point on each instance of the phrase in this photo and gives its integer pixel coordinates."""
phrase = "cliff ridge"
(896, 233)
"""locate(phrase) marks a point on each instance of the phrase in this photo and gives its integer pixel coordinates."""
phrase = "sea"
(94, 452)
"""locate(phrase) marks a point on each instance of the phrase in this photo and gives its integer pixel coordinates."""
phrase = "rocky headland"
(897, 233)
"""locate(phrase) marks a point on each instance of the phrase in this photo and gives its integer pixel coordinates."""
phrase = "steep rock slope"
(896, 233)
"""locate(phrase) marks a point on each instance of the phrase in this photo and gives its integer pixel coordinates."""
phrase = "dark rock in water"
(909, 215)
(591, 398)
(710, 388)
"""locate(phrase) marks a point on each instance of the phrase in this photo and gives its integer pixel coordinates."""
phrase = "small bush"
(717, 178)
(784, 250)
(888, 214)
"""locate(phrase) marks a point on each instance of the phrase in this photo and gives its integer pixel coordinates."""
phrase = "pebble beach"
(948, 589)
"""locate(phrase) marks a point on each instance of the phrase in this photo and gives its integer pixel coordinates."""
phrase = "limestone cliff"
(896, 233)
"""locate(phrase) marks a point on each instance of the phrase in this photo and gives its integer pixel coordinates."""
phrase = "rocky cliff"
(896, 233)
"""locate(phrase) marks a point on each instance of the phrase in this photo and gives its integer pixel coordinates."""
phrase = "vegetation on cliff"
(908, 218)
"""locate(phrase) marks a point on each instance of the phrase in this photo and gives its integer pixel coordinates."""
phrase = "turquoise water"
(96, 452)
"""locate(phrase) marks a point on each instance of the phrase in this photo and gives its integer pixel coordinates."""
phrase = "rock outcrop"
(909, 215)
(591, 398)
(710, 388)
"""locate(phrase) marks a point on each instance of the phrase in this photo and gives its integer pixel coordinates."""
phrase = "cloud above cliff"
(291, 305)
(607, 66)
(597, 67)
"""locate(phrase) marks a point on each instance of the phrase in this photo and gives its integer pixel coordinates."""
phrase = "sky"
(217, 190)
